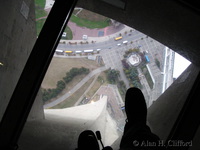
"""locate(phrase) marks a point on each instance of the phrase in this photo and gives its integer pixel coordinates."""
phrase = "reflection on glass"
(96, 61)
(117, 3)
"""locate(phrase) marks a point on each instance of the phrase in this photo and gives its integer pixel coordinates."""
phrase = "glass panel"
(99, 58)
(96, 61)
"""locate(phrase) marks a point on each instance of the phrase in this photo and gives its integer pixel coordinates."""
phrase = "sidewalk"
(96, 39)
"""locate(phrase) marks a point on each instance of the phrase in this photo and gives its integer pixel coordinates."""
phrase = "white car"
(64, 34)
(125, 42)
(119, 44)
(84, 37)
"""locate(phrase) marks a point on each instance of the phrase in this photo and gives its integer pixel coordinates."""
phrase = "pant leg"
(139, 136)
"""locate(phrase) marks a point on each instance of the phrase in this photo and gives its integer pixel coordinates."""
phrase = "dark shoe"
(135, 106)
(87, 141)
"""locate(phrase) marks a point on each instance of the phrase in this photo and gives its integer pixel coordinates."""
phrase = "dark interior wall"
(164, 112)
(17, 37)
(169, 22)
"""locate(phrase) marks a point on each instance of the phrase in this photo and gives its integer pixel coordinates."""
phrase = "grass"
(86, 19)
(89, 15)
(58, 69)
(89, 24)
(122, 90)
(59, 66)
(74, 98)
(39, 25)
(39, 8)
(69, 34)
(100, 81)
(40, 3)
(40, 12)
(149, 80)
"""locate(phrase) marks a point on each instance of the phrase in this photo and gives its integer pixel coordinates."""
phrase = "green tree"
(112, 75)
(61, 84)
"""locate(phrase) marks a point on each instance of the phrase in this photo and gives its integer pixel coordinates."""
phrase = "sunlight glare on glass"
(180, 64)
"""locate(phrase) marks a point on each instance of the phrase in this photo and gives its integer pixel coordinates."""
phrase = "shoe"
(135, 106)
(87, 141)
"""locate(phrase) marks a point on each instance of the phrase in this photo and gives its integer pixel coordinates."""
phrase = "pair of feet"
(88, 141)
(136, 112)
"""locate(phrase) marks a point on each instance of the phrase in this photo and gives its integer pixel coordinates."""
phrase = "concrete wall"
(17, 37)
(164, 112)
(60, 129)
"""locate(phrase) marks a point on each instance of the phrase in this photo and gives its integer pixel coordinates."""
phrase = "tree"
(61, 84)
(133, 73)
(121, 85)
(112, 75)
(125, 64)
(83, 70)
(132, 76)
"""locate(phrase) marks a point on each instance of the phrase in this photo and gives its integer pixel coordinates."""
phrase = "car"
(84, 37)
(125, 42)
(64, 34)
(119, 44)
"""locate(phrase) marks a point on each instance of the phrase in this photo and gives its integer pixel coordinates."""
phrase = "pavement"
(78, 32)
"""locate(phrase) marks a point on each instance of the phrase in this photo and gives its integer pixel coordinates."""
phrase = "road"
(110, 43)
(75, 88)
